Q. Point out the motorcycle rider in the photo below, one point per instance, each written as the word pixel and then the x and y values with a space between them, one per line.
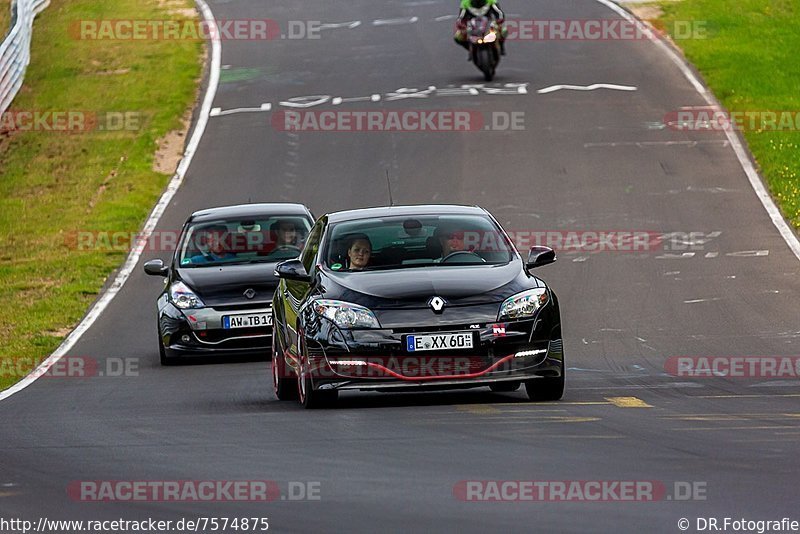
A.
pixel 480 8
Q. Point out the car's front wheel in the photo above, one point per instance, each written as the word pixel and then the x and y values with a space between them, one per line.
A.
pixel 309 397
pixel 162 352
pixel 285 387
pixel 546 388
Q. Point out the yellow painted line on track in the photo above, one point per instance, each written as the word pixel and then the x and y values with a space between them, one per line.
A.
pixel 628 402
pixel 478 409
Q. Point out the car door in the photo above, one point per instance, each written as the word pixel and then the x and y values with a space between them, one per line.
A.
pixel 295 292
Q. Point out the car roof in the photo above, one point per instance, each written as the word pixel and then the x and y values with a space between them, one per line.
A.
pixel 389 211
pixel 250 210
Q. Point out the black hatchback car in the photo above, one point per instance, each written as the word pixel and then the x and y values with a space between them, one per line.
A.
pixel 414 297
pixel 219 284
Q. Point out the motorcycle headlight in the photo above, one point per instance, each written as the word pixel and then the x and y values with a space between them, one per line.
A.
pixel 523 305
pixel 183 297
pixel 490 37
pixel 346 314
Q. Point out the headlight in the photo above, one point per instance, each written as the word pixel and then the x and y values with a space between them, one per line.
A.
pixel 490 37
pixel 523 305
pixel 183 297
pixel 345 314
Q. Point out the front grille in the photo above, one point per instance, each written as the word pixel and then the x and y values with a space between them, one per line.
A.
pixel 218 334
pixel 440 328
pixel 243 307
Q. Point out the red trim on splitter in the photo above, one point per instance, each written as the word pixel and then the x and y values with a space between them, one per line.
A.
pixel 439 377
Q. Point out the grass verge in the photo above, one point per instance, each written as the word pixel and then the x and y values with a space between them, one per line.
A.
pixel 749 60
pixel 5 17
pixel 53 184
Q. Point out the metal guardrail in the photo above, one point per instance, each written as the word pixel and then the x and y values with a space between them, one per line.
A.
pixel 15 50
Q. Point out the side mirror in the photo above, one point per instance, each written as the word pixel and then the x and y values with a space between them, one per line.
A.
pixel 292 270
pixel 156 268
pixel 539 256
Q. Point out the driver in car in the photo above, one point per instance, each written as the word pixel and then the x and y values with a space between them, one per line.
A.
pixel 451 240
pixel 287 235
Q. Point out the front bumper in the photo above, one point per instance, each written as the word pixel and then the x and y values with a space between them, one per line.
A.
pixel 201 332
pixel 380 360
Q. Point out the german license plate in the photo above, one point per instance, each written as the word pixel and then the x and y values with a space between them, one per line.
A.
pixel 252 320
pixel 419 343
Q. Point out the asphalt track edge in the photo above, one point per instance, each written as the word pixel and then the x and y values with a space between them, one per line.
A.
pixel 155 215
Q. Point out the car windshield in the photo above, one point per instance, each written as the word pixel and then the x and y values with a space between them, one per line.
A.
pixel 421 241
pixel 267 238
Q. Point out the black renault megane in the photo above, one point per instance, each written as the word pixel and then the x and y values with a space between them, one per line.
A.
pixel 414 298
pixel 218 290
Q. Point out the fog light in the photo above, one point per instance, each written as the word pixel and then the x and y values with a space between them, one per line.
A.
pixel 185 338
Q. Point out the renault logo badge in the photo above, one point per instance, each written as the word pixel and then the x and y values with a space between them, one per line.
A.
pixel 437 304
pixel 250 293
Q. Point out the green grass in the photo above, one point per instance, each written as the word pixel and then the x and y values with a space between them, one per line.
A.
pixel 750 61
pixel 5 17
pixel 52 184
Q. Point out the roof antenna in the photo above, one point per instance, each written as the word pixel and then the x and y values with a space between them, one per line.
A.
pixel 389 185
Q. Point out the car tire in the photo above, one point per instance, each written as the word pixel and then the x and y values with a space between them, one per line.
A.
pixel 547 388
pixel 285 388
pixel 309 397
pixel 504 387
pixel 162 353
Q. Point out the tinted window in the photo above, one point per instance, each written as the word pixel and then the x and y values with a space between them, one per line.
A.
pixel 227 241
pixel 402 242
pixel 310 253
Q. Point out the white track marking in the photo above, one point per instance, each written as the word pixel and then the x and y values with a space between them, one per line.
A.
pixel 593 87
pixel 642 144
pixel 349 25
pixel 695 301
pixel 738 148
pixel 218 112
pixel 133 258
pixel 394 22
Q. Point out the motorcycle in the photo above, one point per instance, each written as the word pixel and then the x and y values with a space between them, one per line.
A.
pixel 483 35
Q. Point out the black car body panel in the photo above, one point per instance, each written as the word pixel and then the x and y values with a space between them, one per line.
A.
pixel 226 291
pixel 313 347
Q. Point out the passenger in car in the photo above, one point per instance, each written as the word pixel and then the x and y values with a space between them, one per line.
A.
pixel 212 238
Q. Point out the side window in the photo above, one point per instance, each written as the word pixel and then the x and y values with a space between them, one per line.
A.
pixel 312 247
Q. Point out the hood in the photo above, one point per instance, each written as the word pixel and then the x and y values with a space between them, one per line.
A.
pixel 460 285
pixel 226 284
